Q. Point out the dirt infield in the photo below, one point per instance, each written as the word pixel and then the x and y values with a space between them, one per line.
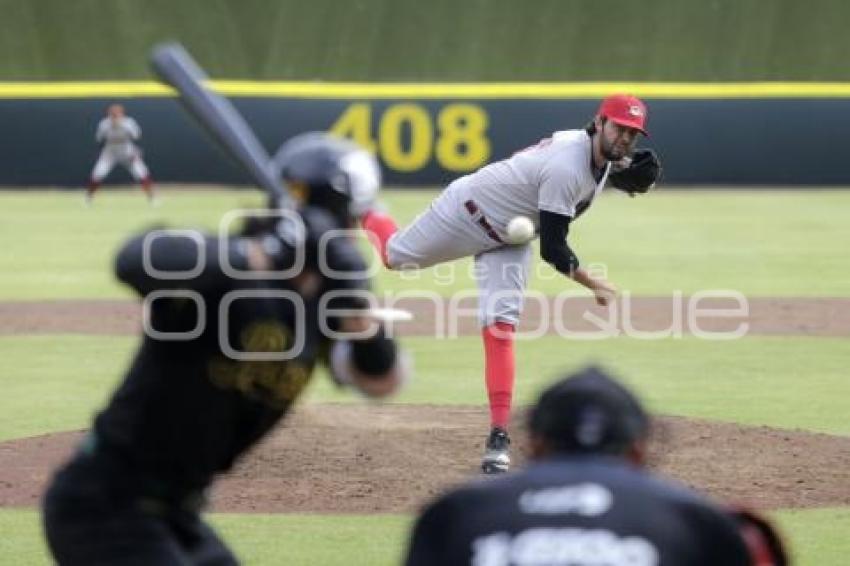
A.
pixel 391 458
pixel 766 316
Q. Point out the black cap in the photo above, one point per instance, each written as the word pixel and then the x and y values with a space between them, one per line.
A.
pixel 589 412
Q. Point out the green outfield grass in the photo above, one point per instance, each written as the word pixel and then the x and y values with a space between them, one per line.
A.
pixel 372 540
pixel 63 249
pixel 56 382
pixel 816 536
pixel 760 243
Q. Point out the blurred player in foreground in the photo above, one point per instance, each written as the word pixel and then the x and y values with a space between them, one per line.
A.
pixel 550 184
pixel 586 499
pixel 118 133
pixel 249 317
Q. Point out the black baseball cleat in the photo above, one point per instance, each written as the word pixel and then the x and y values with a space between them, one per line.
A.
pixel 496 458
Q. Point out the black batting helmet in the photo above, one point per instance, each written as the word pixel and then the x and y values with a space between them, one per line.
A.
pixel 329 172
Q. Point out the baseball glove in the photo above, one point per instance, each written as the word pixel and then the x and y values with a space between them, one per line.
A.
pixel 642 173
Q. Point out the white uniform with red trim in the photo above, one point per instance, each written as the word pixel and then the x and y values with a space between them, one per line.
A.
pixel 471 215
pixel 118 137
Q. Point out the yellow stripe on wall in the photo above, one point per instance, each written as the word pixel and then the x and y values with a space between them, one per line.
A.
pixel 83 90
pixel 141 89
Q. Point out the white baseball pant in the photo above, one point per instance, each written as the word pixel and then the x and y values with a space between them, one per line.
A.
pixel 447 231
pixel 130 160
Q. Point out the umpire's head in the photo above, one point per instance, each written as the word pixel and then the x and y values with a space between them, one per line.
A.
pixel 588 412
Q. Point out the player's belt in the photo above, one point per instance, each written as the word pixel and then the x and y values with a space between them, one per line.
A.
pixel 479 218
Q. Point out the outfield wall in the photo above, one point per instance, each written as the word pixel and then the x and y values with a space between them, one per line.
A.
pixel 753 134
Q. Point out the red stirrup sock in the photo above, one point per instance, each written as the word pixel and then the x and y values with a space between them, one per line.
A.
pixel 499 368
pixel 147 186
pixel 380 227
pixel 93 185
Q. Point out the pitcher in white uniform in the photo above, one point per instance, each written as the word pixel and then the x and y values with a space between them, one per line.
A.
pixel 551 183
pixel 118 134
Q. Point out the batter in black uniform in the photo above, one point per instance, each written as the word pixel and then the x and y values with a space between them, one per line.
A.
pixel 584 500
pixel 221 363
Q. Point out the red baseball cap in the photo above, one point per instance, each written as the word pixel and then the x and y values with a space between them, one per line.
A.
pixel 626 110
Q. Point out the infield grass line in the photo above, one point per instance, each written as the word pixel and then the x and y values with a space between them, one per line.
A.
pixel 53 383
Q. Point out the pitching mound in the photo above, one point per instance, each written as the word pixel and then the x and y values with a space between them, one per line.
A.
pixel 392 458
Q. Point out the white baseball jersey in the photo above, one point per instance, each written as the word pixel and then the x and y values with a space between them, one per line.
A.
pixel 555 175
pixel 118 147
pixel 118 135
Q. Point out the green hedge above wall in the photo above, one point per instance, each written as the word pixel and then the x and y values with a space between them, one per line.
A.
pixel 434 40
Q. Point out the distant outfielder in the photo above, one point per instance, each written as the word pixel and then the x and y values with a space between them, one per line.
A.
pixel 118 133
pixel 548 185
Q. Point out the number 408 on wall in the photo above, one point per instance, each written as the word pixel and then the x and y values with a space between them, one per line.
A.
pixel 408 137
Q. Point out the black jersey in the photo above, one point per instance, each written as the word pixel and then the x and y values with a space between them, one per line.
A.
pixel 576 511
pixel 188 408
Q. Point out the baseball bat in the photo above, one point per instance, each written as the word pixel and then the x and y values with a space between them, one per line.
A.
pixel 217 115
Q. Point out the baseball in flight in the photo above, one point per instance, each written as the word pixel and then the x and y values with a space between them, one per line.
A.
pixel 520 230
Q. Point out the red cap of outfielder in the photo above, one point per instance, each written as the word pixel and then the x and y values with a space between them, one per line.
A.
pixel 625 110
